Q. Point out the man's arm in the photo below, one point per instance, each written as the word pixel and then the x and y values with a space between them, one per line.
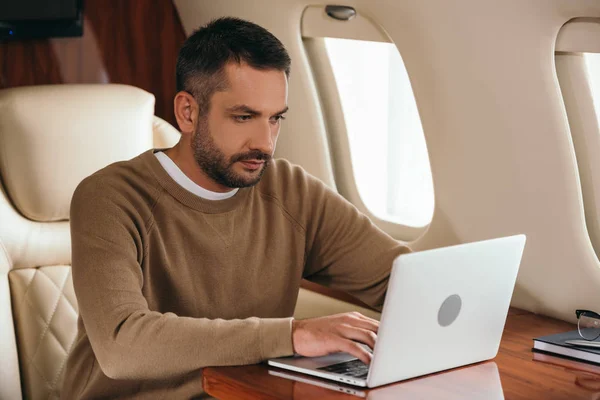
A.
pixel 129 340
pixel 346 250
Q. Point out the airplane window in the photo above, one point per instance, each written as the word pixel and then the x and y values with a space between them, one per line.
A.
pixel 592 61
pixel 578 74
pixel 388 151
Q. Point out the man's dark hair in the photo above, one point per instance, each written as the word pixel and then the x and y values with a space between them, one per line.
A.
pixel 202 58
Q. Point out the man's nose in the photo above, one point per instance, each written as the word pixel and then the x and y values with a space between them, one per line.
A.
pixel 264 138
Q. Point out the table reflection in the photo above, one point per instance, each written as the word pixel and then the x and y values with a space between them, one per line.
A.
pixel 477 382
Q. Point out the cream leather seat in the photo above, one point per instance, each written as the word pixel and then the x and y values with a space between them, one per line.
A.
pixel 51 137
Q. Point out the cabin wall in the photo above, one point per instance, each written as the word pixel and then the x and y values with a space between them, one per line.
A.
pixel 132 42
pixel 494 119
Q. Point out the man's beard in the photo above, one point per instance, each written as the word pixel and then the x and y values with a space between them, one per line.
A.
pixel 216 165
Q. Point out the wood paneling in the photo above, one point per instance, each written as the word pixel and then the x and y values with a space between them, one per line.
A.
pixel 516 373
pixel 133 42
pixel 28 63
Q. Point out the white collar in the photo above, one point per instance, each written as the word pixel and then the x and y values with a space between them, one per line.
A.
pixel 185 182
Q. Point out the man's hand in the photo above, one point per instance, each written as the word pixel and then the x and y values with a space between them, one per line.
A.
pixel 341 332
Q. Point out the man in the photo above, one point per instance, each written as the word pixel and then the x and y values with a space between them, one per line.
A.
pixel 193 256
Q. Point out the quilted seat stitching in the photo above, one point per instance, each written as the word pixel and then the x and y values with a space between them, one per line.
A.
pixel 56 337
pixel 63 286
pixel 52 385
pixel 47 326
pixel 39 372
pixel 63 364
pixel 27 301
pixel 28 286
pixel 24 301
pixel 67 351
pixel 37 313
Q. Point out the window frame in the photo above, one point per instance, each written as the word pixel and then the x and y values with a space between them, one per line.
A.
pixel 315 29
pixel 577 37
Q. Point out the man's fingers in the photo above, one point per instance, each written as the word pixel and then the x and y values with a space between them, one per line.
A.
pixel 356 350
pixel 362 316
pixel 358 322
pixel 347 332
pixel 365 336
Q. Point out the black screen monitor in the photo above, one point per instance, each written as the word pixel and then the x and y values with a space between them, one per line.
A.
pixel 37 19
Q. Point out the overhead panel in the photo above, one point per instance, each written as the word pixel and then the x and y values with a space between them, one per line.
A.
pixel 316 23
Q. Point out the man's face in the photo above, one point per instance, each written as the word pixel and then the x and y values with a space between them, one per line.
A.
pixel 235 141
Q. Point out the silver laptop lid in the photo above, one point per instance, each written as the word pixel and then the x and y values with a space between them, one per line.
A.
pixel 445 308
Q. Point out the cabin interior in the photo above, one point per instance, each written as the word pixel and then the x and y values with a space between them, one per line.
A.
pixel 444 122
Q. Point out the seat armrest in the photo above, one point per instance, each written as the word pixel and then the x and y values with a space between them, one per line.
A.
pixel 10 379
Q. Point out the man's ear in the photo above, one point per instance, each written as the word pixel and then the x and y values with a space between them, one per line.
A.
pixel 186 112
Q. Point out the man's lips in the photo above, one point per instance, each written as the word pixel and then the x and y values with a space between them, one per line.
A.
pixel 252 164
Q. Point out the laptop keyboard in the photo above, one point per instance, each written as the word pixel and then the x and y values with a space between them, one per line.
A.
pixel 354 368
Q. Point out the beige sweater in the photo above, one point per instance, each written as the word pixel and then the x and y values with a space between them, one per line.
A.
pixel 168 282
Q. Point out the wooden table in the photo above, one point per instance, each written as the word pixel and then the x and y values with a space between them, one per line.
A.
pixel 516 373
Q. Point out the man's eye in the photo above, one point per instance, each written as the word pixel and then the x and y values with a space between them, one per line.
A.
pixel 242 118
pixel 278 118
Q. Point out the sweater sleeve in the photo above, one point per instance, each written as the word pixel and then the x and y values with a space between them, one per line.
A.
pixel 345 250
pixel 128 339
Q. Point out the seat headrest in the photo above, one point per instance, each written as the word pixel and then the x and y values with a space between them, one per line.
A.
pixel 52 137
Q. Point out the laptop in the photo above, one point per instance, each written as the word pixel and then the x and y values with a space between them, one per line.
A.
pixel 444 308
